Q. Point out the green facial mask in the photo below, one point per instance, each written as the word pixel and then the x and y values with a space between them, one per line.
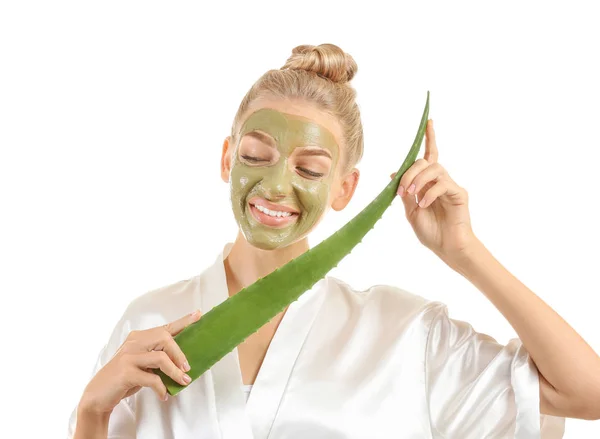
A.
pixel 279 182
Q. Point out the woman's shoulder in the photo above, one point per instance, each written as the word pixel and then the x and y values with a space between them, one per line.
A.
pixel 173 300
pixel 165 297
pixel 387 299
pixel 158 306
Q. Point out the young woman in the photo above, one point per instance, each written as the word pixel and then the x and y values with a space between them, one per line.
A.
pixel 337 363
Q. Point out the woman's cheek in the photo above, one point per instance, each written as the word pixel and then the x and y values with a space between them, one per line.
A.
pixel 314 195
pixel 240 178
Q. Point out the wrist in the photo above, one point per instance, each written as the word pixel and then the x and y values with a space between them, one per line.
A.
pixel 468 259
pixel 91 412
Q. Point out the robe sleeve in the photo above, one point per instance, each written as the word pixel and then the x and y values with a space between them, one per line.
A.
pixel 478 388
pixel 122 420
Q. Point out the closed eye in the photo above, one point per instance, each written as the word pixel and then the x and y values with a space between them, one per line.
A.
pixel 253 159
pixel 311 173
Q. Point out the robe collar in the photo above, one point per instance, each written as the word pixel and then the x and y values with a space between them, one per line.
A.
pixel 237 418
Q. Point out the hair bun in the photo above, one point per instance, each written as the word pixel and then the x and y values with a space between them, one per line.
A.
pixel 326 60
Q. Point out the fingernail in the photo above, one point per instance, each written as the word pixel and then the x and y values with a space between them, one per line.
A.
pixel 165 397
pixel 401 191
pixel 186 366
pixel 186 379
pixel 422 202
pixel 195 314
pixel 411 189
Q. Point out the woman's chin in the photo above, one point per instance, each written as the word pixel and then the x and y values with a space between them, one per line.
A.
pixel 264 243
pixel 270 242
pixel 267 237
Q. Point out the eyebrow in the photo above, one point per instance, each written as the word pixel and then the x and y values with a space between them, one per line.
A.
pixel 315 152
pixel 264 138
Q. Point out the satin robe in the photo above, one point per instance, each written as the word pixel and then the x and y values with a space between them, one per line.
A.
pixel 380 363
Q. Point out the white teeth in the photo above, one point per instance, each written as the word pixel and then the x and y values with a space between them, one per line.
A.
pixel 274 213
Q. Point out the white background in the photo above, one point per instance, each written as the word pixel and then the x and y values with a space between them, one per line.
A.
pixel 112 117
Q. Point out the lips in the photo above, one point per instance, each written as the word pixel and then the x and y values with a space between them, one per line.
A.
pixel 257 201
pixel 268 220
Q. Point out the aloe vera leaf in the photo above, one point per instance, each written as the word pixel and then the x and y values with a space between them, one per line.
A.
pixel 228 324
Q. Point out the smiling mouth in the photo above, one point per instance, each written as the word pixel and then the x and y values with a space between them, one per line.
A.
pixel 282 217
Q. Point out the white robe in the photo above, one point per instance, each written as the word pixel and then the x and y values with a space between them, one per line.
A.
pixel 380 363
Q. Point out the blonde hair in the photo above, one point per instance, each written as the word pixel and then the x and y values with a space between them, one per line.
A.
pixel 320 75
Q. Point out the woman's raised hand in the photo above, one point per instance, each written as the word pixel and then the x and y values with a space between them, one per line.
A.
pixel 441 218
pixel 129 369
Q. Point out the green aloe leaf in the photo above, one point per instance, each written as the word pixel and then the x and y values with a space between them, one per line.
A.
pixel 228 324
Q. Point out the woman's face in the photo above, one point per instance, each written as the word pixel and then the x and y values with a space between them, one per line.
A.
pixel 284 172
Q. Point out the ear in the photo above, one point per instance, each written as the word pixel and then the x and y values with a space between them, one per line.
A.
pixel 346 190
pixel 226 159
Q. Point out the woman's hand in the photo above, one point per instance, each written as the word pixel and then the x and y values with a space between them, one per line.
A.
pixel 441 218
pixel 129 369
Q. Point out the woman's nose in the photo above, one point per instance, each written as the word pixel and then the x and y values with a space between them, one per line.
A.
pixel 278 183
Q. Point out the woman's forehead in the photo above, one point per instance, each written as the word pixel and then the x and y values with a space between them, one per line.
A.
pixel 290 130
pixel 301 110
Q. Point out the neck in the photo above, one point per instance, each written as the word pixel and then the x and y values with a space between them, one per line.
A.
pixel 245 263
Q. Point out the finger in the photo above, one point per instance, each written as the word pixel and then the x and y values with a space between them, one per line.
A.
pixel 424 189
pixel 431 151
pixel 446 187
pixel 409 175
pixel 160 339
pixel 436 191
pixel 176 354
pixel 151 380
pixel 432 174
pixel 160 360
pixel 179 325
pixel 410 204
